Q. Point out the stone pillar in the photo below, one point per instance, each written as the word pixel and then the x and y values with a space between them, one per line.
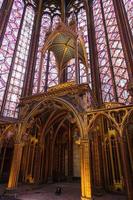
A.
pixel 70 155
pixel 4 16
pixel 97 167
pixel 15 166
pixel 126 169
pixel 86 191
pixel 37 164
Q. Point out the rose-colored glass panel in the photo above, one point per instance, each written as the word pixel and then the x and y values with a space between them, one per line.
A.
pixel 1 2
pixel 19 65
pixel 104 66
pixel 53 72
pixel 117 54
pixel 45 25
pixel 129 9
pixel 71 76
pixel 8 44
pixel 82 29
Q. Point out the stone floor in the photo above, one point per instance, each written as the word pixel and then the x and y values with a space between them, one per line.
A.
pixel 70 191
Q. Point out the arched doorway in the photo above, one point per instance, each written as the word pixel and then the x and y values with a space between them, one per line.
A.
pixel 106 156
pixel 48 123
pixel 6 153
pixel 49 153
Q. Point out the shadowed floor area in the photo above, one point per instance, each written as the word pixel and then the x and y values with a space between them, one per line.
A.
pixel 70 191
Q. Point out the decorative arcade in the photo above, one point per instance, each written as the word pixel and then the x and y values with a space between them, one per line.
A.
pixel 66 86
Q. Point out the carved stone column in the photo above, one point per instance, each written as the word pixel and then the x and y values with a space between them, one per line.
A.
pixel 86 192
pixel 97 167
pixel 70 155
pixel 126 169
pixel 15 166
pixel 4 16
pixel 37 164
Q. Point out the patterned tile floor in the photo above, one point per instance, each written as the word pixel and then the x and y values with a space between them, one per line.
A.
pixel 70 191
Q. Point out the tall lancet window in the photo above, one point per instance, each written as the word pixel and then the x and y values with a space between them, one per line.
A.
pixel 78 11
pixel 71 76
pixel 19 65
pixel 40 70
pixel 1 2
pixel 82 28
pixel 53 69
pixel 46 72
pixel 8 45
pixel 112 65
pixel 129 9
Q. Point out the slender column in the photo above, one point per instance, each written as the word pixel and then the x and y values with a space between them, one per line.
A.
pixel 28 161
pixel 86 192
pixel 105 165
pixel 33 51
pixel 77 62
pixel 70 155
pixel 15 167
pixel 33 148
pixel 126 169
pixel 130 149
pixel 64 160
pixel 50 162
pixel 125 33
pixel 97 170
pixel 63 17
pixel 118 158
pixel 3 160
pixel 47 72
pixel 92 160
pixel 1 144
pixel 4 16
pixel 37 164
pixel 112 161
pixel 24 162
pixel 46 160
pixel 42 165
pixel 59 162
pixel 94 65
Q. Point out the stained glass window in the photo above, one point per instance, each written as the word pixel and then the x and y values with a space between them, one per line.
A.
pixel 48 69
pixel 40 72
pixel 129 9
pixel 8 44
pixel 55 21
pixel 71 76
pixel 83 73
pixel 1 2
pixel 53 72
pixel 80 16
pixel 113 69
pixel 82 28
pixel 19 65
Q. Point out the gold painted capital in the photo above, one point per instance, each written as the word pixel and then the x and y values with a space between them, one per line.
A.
pixel 84 140
pixel 86 198
pixel 21 144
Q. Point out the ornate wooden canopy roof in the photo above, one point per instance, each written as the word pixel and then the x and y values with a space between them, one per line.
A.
pixel 62 42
